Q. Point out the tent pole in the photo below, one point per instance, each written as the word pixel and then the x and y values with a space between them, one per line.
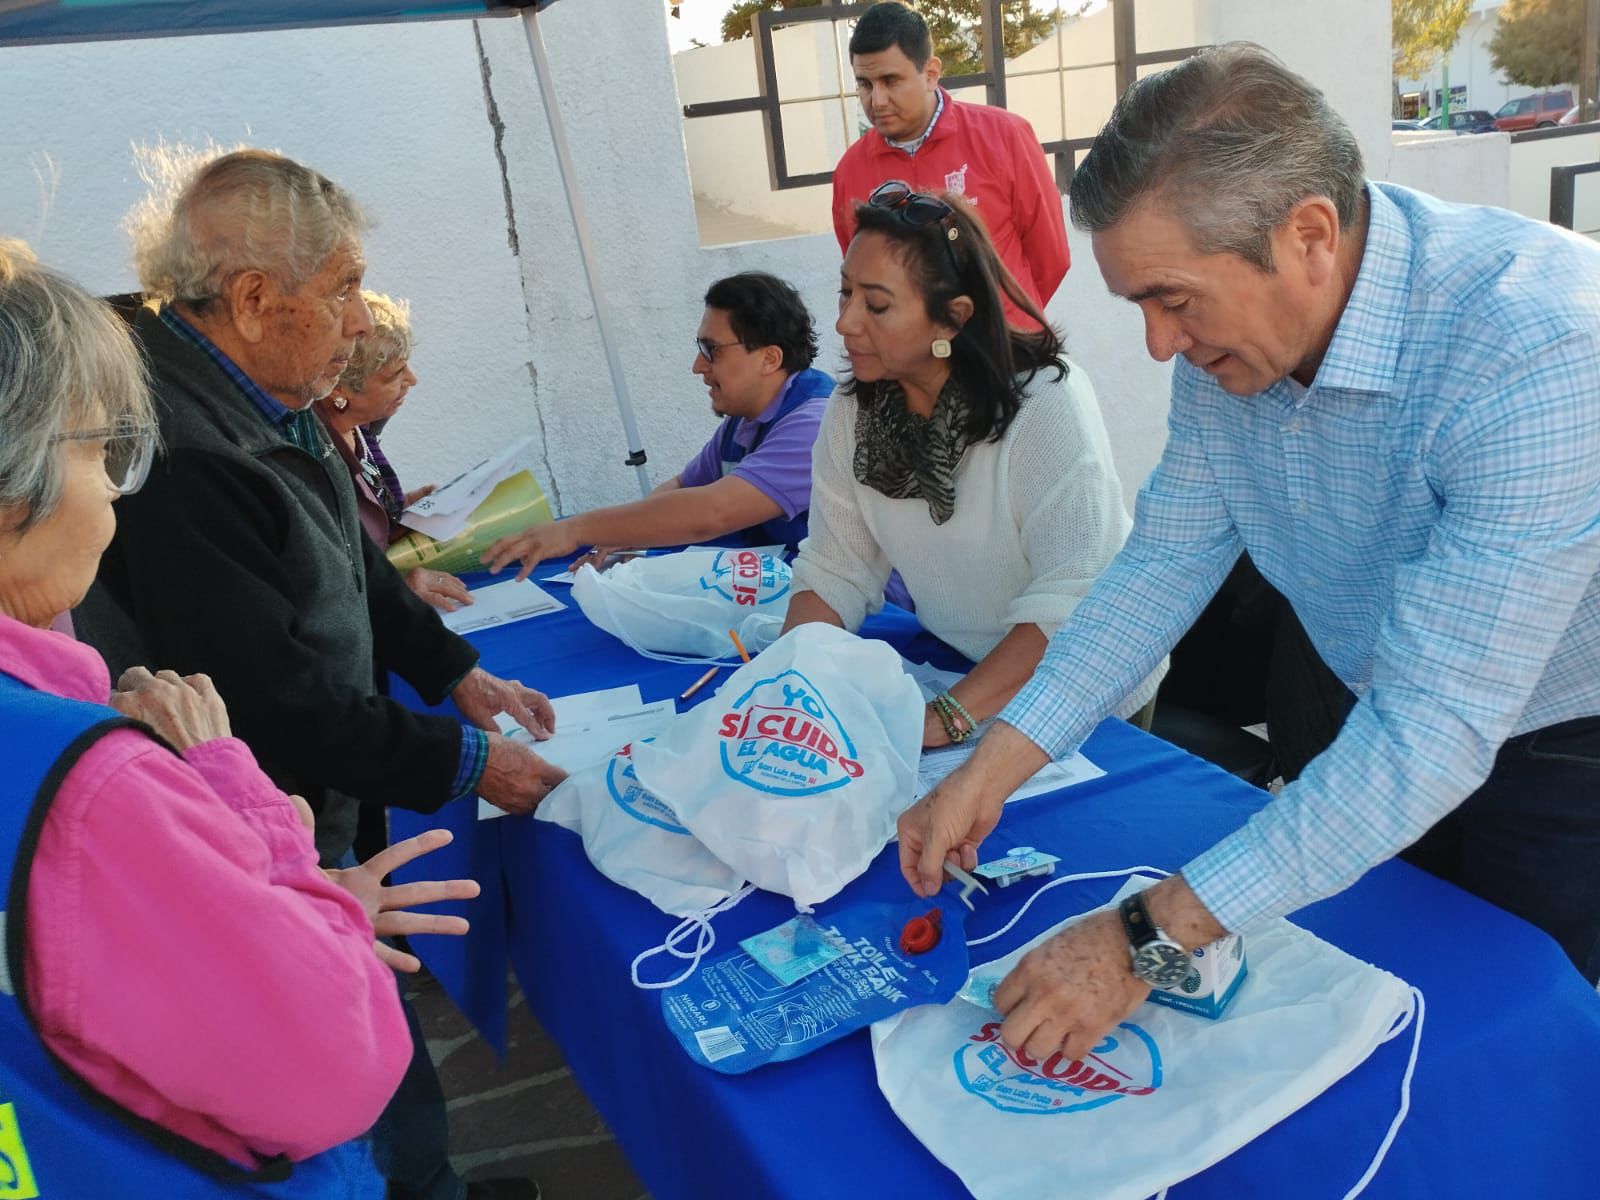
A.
pixel 569 186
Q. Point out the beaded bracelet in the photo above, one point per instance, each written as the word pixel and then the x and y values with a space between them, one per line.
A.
pixel 951 715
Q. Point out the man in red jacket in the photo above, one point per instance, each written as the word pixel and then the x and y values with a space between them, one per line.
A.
pixel 936 144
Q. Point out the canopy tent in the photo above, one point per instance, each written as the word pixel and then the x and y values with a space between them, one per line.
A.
pixel 38 22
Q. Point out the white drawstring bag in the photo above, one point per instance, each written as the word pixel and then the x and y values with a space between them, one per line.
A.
pixel 633 838
pixel 1162 1097
pixel 794 772
pixel 680 607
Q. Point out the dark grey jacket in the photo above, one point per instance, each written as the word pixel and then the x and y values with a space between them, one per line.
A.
pixel 243 558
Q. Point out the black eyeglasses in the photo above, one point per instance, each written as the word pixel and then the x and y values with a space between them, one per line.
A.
pixel 709 349
pixel 130 449
pixel 917 209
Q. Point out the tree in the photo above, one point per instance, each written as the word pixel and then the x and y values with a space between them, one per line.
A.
pixel 1537 41
pixel 956 27
pixel 1423 30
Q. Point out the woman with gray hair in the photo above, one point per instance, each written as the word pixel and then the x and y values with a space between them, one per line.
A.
pixel 371 390
pixel 139 842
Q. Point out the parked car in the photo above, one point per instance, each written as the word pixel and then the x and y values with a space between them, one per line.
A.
pixel 1571 116
pixel 1534 112
pixel 1462 120
pixel 1401 123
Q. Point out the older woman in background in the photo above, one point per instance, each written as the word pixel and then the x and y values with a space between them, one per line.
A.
pixel 371 390
pixel 190 1007
pixel 967 455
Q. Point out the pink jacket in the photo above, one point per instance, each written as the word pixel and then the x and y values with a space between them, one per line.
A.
pixel 185 954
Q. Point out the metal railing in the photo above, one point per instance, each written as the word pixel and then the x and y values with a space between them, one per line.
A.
pixel 769 102
pixel 1564 179
pixel 1564 194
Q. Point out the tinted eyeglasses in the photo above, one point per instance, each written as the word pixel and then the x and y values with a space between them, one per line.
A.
pixel 709 349
pixel 917 209
pixel 130 449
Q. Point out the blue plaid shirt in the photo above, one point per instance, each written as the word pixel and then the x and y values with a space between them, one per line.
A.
pixel 301 428
pixel 1431 508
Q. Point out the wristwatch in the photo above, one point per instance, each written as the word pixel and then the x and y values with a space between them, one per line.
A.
pixel 1157 959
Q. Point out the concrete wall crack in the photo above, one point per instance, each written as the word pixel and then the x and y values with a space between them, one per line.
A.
pixel 486 73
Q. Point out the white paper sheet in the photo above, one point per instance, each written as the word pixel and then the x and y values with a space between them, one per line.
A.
pixel 444 513
pixel 936 764
pixel 501 604
pixel 590 727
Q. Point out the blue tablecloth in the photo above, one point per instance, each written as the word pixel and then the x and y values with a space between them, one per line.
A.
pixel 1501 1103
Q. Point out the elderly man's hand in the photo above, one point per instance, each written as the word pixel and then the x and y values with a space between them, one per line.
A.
pixel 184 711
pixel 386 905
pixel 444 592
pixel 481 695
pixel 515 778
pixel 553 540
pixel 1069 992
pixel 948 823
pixel 951 821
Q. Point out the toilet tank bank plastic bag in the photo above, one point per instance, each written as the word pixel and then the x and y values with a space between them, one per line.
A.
pixel 736 1014
pixel 794 772
pixel 684 604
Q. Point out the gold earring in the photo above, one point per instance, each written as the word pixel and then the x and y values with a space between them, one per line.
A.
pixel 941 347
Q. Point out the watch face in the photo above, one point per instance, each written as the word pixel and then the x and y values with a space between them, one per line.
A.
pixel 1161 964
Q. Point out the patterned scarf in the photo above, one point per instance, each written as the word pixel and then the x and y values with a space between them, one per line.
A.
pixel 905 457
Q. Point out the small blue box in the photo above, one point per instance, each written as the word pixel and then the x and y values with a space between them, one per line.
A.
pixel 1215 973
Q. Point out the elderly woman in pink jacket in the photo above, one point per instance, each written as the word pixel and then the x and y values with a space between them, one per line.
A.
pixel 188 1005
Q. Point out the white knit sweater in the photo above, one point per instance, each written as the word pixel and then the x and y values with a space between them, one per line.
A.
pixel 1038 515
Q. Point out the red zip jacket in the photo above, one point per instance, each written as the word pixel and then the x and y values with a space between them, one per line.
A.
pixel 992 157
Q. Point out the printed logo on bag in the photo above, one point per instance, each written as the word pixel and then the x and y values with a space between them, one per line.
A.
pixel 782 738
pixel 747 578
pixel 623 784
pixel 16 1172
pixel 1126 1063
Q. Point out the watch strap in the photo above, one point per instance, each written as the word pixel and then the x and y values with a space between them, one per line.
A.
pixel 1136 921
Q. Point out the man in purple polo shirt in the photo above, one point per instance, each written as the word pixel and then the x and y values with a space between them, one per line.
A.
pixel 753 350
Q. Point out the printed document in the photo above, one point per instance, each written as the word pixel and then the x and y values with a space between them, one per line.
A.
pixel 936 764
pixel 590 728
pixel 501 604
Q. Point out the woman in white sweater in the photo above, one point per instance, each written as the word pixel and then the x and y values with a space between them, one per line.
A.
pixel 967 455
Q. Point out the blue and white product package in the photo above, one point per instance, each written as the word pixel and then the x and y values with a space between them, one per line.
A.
pixel 633 838
pixel 735 1014
pixel 1215 973
pixel 1161 1097
pixel 794 772
pixel 681 606
pixel 1019 863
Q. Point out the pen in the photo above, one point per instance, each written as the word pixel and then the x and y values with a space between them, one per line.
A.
pixel 739 646
pixel 699 683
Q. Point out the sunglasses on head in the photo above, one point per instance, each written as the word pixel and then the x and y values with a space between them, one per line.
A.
pixel 917 209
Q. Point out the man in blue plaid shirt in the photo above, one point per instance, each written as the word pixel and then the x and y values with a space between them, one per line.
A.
pixel 1393 404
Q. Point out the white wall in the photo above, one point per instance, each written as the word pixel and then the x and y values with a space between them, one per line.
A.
pixel 1530 176
pixel 395 113
pixel 508 343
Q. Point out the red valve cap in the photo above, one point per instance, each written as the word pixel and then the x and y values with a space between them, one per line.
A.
pixel 921 934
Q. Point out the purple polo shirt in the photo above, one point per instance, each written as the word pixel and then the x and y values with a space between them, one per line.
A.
pixel 779 468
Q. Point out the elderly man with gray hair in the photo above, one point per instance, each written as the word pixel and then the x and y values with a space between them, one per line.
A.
pixel 244 558
pixel 1391 403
